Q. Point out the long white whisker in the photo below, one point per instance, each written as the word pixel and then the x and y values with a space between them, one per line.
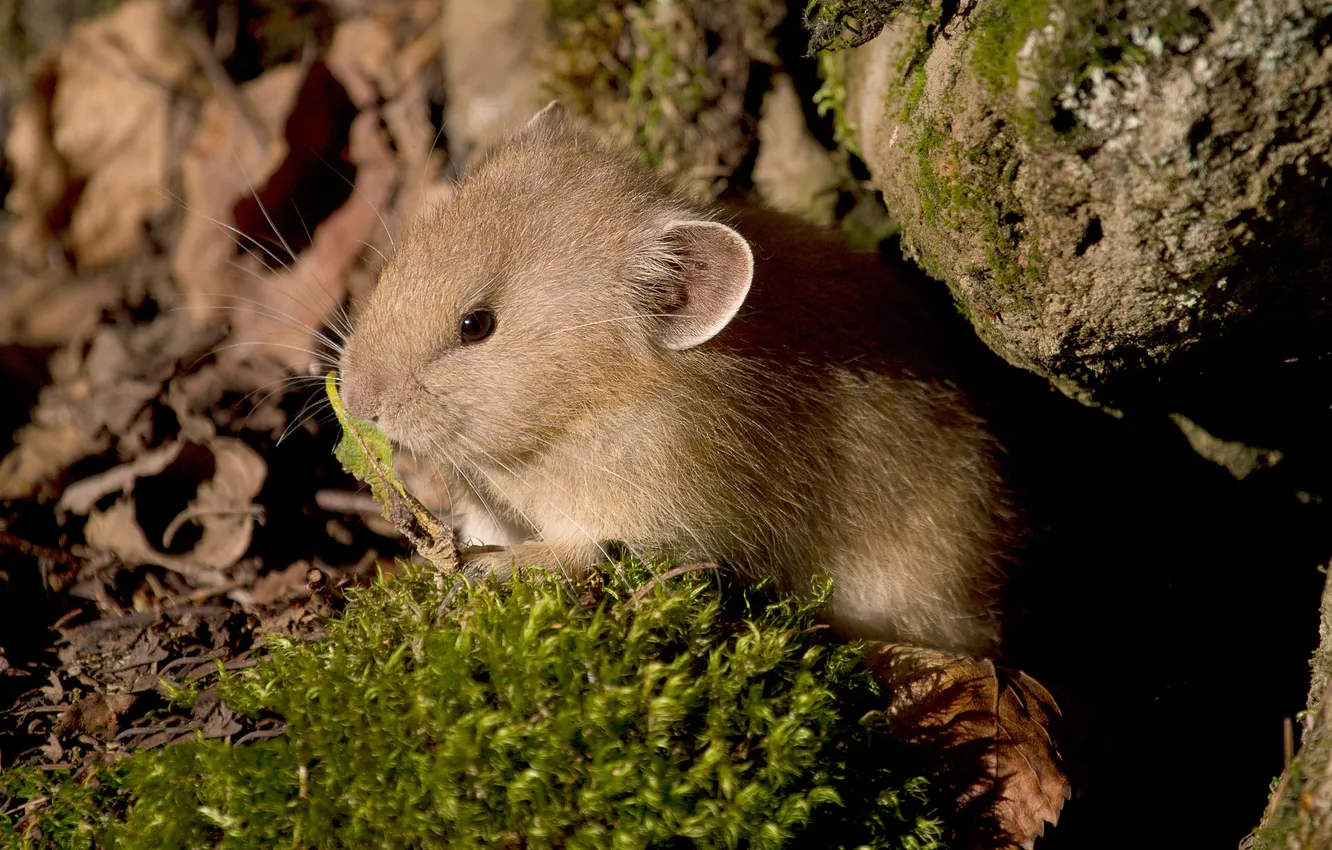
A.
pixel 276 315
pixel 357 190
pixel 268 218
pixel 313 406
pixel 335 308
pixel 322 358
pixel 294 380
pixel 238 234
pixel 382 258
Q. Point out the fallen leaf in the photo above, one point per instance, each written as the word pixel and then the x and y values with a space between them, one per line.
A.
pixel 96 396
pixel 111 118
pixel 223 506
pixel 40 178
pixel 367 454
pixel 97 715
pixel 81 496
pixel 239 143
pixel 51 308
pixel 988 729
pixel 275 586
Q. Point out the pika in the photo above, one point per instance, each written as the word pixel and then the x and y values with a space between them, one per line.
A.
pixel 592 357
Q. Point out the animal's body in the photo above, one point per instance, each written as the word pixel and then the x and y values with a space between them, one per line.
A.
pixel 596 358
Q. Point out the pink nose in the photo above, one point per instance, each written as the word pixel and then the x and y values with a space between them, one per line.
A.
pixel 361 395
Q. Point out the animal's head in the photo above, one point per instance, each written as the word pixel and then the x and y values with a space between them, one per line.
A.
pixel 559 272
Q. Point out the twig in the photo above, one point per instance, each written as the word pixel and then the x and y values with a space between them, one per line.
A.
pixel 36 550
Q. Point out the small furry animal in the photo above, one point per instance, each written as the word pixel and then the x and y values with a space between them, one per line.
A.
pixel 596 358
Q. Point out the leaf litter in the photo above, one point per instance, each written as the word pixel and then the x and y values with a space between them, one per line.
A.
pixel 183 238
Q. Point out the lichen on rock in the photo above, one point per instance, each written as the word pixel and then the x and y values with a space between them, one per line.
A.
pixel 1103 186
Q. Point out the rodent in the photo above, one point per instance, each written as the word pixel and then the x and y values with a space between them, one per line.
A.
pixel 597 358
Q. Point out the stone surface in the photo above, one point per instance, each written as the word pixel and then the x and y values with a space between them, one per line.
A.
pixel 1105 186
pixel 793 172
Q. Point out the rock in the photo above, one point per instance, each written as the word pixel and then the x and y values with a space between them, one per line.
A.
pixel 793 172
pixel 1104 187
pixel 490 72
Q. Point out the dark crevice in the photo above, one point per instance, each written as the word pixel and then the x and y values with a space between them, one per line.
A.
pixel 1090 237
pixel 1063 120
pixel 158 499
pixel 1198 133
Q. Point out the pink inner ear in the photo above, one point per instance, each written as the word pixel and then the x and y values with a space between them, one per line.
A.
pixel 716 268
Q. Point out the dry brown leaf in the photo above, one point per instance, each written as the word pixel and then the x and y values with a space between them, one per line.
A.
pixel 989 730
pixel 97 715
pixel 96 396
pixel 236 148
pixel 81 496
pixel 50 308
pixel 366 46
pixel 111 121
pixel 40 180
pixel 223 506
pixel 312 287
pixel 279 308
pixel 275 586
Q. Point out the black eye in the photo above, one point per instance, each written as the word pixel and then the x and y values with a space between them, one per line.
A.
pixel 476 326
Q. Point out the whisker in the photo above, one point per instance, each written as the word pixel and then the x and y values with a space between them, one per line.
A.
pixel 268 218
pixel 277 315
pixel 238 236
pixel 335 308
pixel 357 190
pixel 620 319
pixel 322 358
pixel 312 407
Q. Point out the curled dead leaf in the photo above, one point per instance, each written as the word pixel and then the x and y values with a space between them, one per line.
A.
pixel 989 731
pixel 40 179
pixel 97 715
pixel 96 396
pixel 223 506
pixel 81 496
pixel 111 119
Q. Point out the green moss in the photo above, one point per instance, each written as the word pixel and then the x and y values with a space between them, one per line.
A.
pixel 968 190
pixel 62 810
pixel 441 713
pixel 839 24
pixel 1001 30
pixel 831 98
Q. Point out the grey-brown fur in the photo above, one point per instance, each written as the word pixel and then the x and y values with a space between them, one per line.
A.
pixel 818 431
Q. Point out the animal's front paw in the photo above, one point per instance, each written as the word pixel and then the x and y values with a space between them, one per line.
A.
pixel 570 561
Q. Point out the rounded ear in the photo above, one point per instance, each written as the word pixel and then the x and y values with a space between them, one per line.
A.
pixel 551 115
pixel 711 269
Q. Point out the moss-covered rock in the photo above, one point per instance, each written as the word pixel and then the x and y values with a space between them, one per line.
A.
pixel 670 79
pixel 1104 185
pixel 440 713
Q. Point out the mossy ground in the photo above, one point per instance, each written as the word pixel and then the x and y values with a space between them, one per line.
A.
pixel 443 713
